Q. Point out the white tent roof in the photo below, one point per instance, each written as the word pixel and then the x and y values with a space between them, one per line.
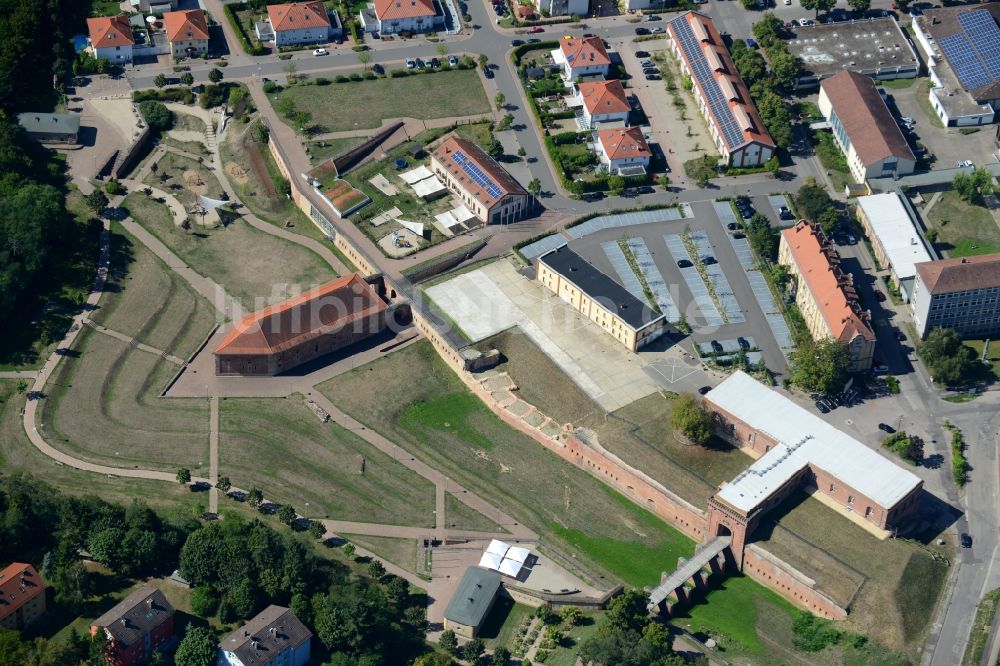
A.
pixel 510 568
pixel 462 213
pixel 428 187
pixel 491 561
pixel 498 547
pixel 415 175
pixel 415 227
pixel 518 554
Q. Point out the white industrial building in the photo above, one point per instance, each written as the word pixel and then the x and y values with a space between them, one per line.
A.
pixel 895 238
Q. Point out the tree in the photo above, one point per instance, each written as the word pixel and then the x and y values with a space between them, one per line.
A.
pixel 572 615
pixel 160 80
pixel 187 78
pixel 776 116
pixel 946 357
pixel 535 187
pixel 828 220
pixel 349 550
pixel 215 75
pixel 786 67
pixel 616 185
pixel 197 648
pixel 505 122
pixel 931 235
pixel 157 115
pixel 812 199
pixel 859 6
pixel 971 186
pixel 434 659
pixel 818 5
pixel 183 475
pixel 223 484
pixel 495 149
pixel 499 99
pixel 501 656
pixel 903 5
pixel 21 386
pixel 316 529
pixel 664 182
pixel 819 367
pixel 442 49
pixel 286 514
pixel 628 612
pixel 398 588
pixel 204 601
pixel 290 69
pixel 691 418
pixel 449 641
pixel 255 497
pixel 473 650
pixel 97 201
pixel 483 60
pixel 768 30
pixel 376 569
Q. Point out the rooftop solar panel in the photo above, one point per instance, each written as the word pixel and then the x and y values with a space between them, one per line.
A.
pixel 476 174
pixel 974 53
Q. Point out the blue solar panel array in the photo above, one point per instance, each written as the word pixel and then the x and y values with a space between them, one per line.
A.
pixel 975 53
pixel 476 174
pixel 703 73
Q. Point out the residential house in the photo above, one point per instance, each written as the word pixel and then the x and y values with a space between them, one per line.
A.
pixel 888 221
pixel 484 187
pixel 275 637
pixel 391 17
pixel 111 38
pixel 582 56
pixel 22 596
pixel 563 7
pixel 601 102
pixel 187 32
pixel 51 127
pixel 722 97
pixel 136 627
pixel 297 23
pixel 623 151
pixel 863 127
pixel 472 601
pixel 961 293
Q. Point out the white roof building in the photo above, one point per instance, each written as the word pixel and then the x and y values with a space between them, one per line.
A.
pixel 804 440
pixel 894 235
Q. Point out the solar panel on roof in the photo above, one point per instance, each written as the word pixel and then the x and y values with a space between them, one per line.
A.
pixel 974 54
pixel 476 174
pixel 985 36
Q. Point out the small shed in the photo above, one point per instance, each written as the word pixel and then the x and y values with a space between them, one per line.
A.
pixel 472 602
pixel 50 127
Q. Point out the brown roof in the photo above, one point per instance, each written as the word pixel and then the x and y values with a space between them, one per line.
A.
pixel 298 15
pixel 943 22
pixel 962 274
pixel 445 155
pixel 865 117
pixel 833 292
pixel 19 584
pixel 185 25
pixel 108 31
pixel 321 311
pixel 136 615
pixel 584 52
pixel 623 142
pixel 402 9
pixel 273 630
pixel 601 97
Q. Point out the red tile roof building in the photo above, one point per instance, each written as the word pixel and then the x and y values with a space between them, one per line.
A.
pixel 604 101
pixel 111 38
pixel 301 329
pixel 299 23
pixel 824 294
pixel 187 32
pixel 584 56
pixel 722 97
pixel 139 625
pixel 485 187
pixel 22 596
pixel 396 16
pixel 623 148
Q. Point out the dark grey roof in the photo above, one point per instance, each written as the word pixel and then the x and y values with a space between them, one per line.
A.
pixel 136 615
pixel 272 631
pixel 474 597
pixel 599 287
pixel 49 123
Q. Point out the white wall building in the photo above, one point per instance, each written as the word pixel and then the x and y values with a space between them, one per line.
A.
pixel 111 38
pixel 582 57
pixel 298 23
pixel 895 239
pixel 623 151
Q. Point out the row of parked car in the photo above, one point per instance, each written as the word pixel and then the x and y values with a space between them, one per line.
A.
pixel 433 63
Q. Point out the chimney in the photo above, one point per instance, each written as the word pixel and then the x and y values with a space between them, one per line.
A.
pixel 149 602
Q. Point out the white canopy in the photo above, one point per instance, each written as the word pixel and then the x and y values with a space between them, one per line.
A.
pixel 498 547
pixel 491 561
pixel 518 554
pixel 428 187
pixel 414 175
pixel 510 568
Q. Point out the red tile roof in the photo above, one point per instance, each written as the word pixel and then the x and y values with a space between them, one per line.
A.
pixel 19 584
pixel 185 25
pixel 866 119
pixel 584 52
pixel 298 15
pixel 819 266
pixel 490 167
pixel 602 97
pixel 110 31
pixel 960 274
pixel 623 142
pixel 403 9
pixel 321 311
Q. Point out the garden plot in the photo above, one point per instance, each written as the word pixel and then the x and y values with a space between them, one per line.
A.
pixel 699 290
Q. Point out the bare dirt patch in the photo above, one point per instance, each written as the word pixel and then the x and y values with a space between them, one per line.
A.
pixel 237 173
pixel 258 166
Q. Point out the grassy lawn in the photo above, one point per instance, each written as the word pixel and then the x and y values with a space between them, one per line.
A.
pixel 254 267
pixel 103 406
pixel 500 626
pixel 105 8
pixel 174 173
pixel 194 147
pixel 412 397
pixel 185 122
pixel 401 552
pixel 366 104
pixel 461 516
pixel 981 629
pixel 992 355
pixel 320 151
pixel 146 300
pixel 923 100
pixel 280 445
pixel 478 133
pixel 897 84
pixel 575 636
pixel 963 229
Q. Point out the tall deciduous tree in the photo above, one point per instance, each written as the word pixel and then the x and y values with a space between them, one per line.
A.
pixel 820 367
pixel 691 418
pixel 859 6
pixel 197 648
pixel 947 358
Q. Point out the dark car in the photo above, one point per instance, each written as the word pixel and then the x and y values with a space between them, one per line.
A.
pixel 378 69
pixel 733 226
pixel 684 263
pixel 435 63
pixel 488 73
pixel 645 189
pixel 901 336
pixel 708 261
pixel 965 540
pixel 652 77
pixel 886 427
pixel 704 389
pixel 717 346
pixel 420 63
pixel 653 17
pixel 739 234
pixel 879 296
pixel 744 343
pixel 642 54
pixel 642 31
pixel 516 42
pixel 784 213
pixel 747 212
pixel 650 70
pixel 592 196
pixel 533 40
pixel 822 407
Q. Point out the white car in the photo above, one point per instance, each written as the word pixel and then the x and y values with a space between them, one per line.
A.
pixel 453 61
pixel 788 2
pixel 410 64
pixel 319 52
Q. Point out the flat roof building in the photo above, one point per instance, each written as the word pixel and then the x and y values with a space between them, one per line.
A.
pixel 962 47
pixel 51 127
pixel 274 636
pixel 863 127
pixel 484 187
pixel 824 294
pixel 875 47
pixel 961 293
pixel 896 241
pixel 22 596
pixel 723 98
pixel 796 449
pixel 599 298
pixel 472 601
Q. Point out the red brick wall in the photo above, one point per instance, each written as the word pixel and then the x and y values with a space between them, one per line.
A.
pixel 789 583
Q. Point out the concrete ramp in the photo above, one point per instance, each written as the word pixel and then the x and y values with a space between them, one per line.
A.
pixel 674 588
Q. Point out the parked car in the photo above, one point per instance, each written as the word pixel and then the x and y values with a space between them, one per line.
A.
pixel 965 540
pixel 901 336
pixel 739 234
pixel 533 40
pixel 658 30
pixel 647 63
pixel 886 428
pixel 650 70
pixel 592 196
pixel 534 30
pixel 410 64
pixel 645 189
pixel 488 73
pixel 879 296
pixel 653 17
pixel 642 54
pixel 319 52
pixel 704 389
pixel 907 120
pixel 378 69
pixel 516 42
pixel 752 43
pixel 453 60
pixel 420 63
pixel 733 226
pixel 435 63
pixel 880 369
pixel 684 263
pixel 822 407
pixel 784 213
pixel 708 260
pixel 641 31
pixel 652 77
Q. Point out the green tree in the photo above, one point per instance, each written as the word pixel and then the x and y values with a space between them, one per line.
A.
pixel 448 641
pixel 473 650
pixel 184 475
pixel 398 588
pixel 931 235
pixel 316 529
pixel 494 149
pixel 972 186
pixel 499 99
pixel 812 199
pixel 223 484
pixel 501 656
pixel 483 60
pixel 786 67
pixel 97 201
pixel 859 6
pixel 376 569
pixel 160 80
pixel 364 57
pixel 947 359
pixel 286 514
pixel 616 185
pixel 21 386
pixel 664 182
pixel 571 615
pixel 818 5
pixel 349 550
pixel 187 78
pixel 628 612
pixel 828 220
pixel 204 601
pixel 768 30
pixel 255 497
pixel 776 116
pixel 434 659
pixel 197 648
pixel 215 75
pixel 691 418
pixel 157 115
pixel 820 367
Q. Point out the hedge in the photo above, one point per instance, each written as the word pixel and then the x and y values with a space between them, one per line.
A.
pixel 252 48
pixel 183 95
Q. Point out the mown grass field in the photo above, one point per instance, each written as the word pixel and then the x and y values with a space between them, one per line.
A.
pixel 280 445
pixel 398 551
pixel 460 516
pixel 413 398
pixel 254 267
pixel 366 104
pixel 964 230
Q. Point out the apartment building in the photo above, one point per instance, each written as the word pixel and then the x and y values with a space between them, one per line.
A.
pixel 961 293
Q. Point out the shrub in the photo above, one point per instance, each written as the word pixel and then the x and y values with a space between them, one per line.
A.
pixel 356 76
pixel 271 87
pixel 113 187
pixel 399 73
pixel 812 634
pixel 157 116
